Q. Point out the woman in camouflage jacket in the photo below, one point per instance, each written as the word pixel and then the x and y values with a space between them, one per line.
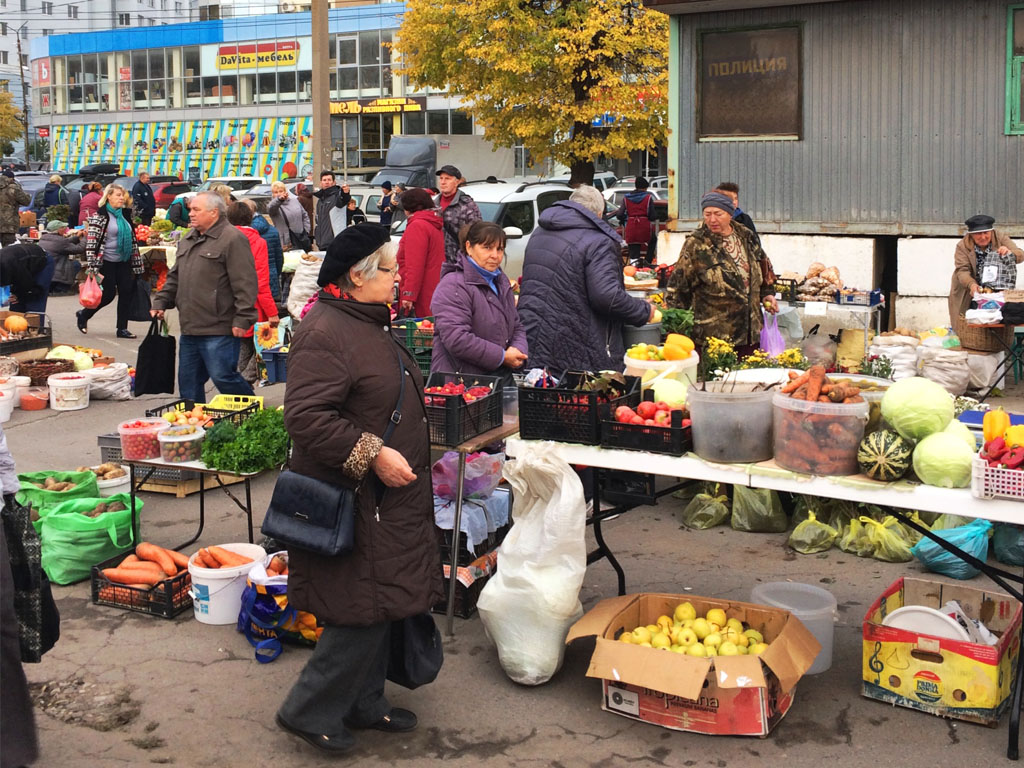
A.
pixel 719 277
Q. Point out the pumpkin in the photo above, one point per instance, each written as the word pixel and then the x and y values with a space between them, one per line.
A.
pixel 16 324
pixel 884 455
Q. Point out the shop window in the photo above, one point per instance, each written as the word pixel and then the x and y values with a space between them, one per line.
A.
pixel 348 83
pixel 140 94
pixel 385 46
pixel 247 89
pixel 268 88
pixel 749 84
pixel 347 51
pixel 286 86
pixel 156 63
pixel 369 81
pixel 386 86
pixel 413 122
pixel 437 121
pixel 211 91
pixel 229 89
pixel 306 85
pixel 45 101
pixel 92 98
pixel 140 68
pixel 1015 71
pixel 462 123
pixel 332 83
pixel 369 48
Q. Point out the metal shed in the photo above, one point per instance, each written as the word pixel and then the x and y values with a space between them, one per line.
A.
pixel 902 126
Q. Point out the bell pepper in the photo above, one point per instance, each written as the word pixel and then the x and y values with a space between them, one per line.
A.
pixel 994 424
pixel 1015 436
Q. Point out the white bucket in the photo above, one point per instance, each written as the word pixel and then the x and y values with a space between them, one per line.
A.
pixel 115 485
pixel 6 406
pixel 814 606
pixel 68 391
pixel 21 383
pixel 684 371
pixel 217 592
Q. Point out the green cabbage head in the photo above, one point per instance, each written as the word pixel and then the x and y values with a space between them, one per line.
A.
pixel 944 460
pixel 917 407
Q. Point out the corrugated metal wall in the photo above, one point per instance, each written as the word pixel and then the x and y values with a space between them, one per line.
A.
pixel 903 115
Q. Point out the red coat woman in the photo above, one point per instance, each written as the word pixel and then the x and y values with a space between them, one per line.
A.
pixel 420 253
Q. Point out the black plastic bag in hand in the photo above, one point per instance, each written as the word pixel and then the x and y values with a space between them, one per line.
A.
pixel 138 310
pixel 154 368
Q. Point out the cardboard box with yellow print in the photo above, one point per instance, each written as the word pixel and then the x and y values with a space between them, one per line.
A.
pixel 951 678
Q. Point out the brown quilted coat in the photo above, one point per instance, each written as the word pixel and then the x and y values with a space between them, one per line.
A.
pixel 343 382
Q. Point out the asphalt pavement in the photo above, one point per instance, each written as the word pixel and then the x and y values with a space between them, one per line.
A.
pixel 124 689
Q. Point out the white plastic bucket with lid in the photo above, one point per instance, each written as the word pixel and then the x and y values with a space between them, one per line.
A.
pixel 217 592
pixel 68 391
pixel 6 406
pixel 21 383
pixel 814 606
pixel 681 370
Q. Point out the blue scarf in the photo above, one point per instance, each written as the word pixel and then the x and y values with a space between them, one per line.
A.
pixel 490 277
pixel 124 233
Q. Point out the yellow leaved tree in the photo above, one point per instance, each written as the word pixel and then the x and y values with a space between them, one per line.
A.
pixel 569 79
pixel 11 126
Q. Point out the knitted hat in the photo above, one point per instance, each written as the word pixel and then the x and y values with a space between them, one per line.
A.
pixel 353 245
pixel 717 200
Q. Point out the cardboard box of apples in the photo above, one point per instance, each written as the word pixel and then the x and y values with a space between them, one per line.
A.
pixel 667 682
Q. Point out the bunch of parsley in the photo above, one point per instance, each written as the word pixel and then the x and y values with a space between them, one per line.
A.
pixel 259 443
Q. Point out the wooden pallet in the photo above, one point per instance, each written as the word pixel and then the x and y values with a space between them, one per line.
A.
pixel 182 488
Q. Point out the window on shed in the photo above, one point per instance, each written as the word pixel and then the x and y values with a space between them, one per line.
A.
pixel 1015 70
pixel 749 83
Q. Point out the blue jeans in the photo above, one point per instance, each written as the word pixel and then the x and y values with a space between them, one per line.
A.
pixel 209 357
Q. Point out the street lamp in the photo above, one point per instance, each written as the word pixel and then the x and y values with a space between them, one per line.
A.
pixel 24 92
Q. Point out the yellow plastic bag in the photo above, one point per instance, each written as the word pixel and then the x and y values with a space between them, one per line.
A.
pixel 812 536
pixel 855 539
pixel 888 540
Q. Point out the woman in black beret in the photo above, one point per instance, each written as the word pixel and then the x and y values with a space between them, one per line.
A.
pixel 345 376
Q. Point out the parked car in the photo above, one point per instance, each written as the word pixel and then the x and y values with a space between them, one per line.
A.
pixel 515 207
pixel 164 192
pixel 34 184
pixel 618 192
pixel 237 183
pixel 602 180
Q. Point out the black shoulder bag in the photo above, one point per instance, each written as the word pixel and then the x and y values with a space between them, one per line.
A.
pixel 315 515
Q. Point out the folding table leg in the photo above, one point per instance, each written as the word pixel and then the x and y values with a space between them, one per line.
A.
pixel 1012 749
pixel 456 529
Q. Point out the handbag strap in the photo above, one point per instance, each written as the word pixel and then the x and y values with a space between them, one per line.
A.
pixel 396 414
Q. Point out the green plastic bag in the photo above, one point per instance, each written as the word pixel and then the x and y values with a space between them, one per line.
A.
pixel 757 510
pixel 855 539
pixel 1008 543
pixel 43 501
pixel 812 536
pixel 888 540
pixel 706 511
pixel 804 505
pixel 945 521
pixel 74 543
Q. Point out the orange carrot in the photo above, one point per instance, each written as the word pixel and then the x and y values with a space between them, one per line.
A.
pixel 158 555
pixel 203 560
pixel 132 576
pixel 815 381
pixel 227 558
pixel 799 381
pixel 132 558
pixel 793 375
pixel 178 558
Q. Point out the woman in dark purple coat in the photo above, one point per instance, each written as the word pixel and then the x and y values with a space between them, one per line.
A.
pixel 477 327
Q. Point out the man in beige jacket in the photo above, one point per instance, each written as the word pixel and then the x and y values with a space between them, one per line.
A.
pixel 986 245
pixel 213 285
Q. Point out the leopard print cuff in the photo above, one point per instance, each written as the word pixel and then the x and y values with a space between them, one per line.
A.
pixel 365 451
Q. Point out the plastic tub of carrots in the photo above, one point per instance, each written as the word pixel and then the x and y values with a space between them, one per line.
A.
pixel 818 436
pixel 218 578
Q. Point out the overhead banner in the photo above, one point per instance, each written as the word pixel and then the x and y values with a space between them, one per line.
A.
pixel 257 56
pixel 272 147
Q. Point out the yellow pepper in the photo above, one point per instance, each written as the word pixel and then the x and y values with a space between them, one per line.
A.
pixel 995 424
pixel 1015 436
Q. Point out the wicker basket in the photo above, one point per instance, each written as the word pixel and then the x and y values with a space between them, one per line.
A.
pixel 40 370
pixel 1013 294
pixel 983 339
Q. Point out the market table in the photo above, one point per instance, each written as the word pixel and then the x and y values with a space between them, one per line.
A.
pixel 472 445
pixel 899 495
pixel 1014 351
pixel 151 465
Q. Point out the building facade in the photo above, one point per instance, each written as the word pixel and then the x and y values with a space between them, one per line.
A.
pixel 856 128
pixel 229 96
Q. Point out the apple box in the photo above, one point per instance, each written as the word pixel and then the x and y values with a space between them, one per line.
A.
pixel 727 695
pixel 951 678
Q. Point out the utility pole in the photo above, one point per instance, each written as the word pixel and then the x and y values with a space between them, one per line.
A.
pixel 322 155
pixel 24 94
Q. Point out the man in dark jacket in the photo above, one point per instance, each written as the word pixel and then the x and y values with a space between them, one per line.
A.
pixel 732 191
pixel 143 202
pixel 457 210
pixel 328 198
pixel 573 303
pixel 63 249
pixel 387 204
pixel 12 196
pixel 213 285
pixel 74 204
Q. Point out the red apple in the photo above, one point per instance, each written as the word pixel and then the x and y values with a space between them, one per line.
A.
pixel 623 414
pixel 650 422
pixel 661 405
pixel 663 417
pixel 686 422
pixel 647 409
pixel 636 420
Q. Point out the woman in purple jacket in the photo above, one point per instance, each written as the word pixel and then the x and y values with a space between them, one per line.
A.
pixel 476 325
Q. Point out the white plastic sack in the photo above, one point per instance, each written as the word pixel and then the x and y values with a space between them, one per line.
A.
pixel 111 382
pixel 895 341
pixel 790 325
pixel 946 367
pixel 983 367
pixel 528 606
pixel 303 286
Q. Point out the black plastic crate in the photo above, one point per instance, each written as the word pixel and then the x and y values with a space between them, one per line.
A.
pixel 568 415
pixel 622 487
pixel 237 416
pixel 465 598
pixel 110 450
pixel 166 599
pixel 413 337
pixel 786 287
pixel 451 419
pixel 675 440
pixel 444 539
pixel 423 358
pixel 42 338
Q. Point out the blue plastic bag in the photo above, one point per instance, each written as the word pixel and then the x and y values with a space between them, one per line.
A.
pixel 1008 543
pixel 971 538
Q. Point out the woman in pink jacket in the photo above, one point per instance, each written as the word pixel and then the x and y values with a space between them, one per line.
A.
pixel 240 215
pixel 420 253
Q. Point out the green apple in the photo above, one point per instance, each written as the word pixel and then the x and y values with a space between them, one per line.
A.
pixel 714 640
pixel 697 650
pixel 758 648
pixel 626 637
pixel 664 622
pixel 653 629
pixel 679 649
pixel 735 624
pixel 641 635
pixel 728 649
pixel 685 611
pixel 754 635
pixel 716 616
pixel 661 640
pixel 687 637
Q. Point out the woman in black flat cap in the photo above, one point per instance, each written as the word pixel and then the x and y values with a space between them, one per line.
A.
pixel 345 373
pixel 984 258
